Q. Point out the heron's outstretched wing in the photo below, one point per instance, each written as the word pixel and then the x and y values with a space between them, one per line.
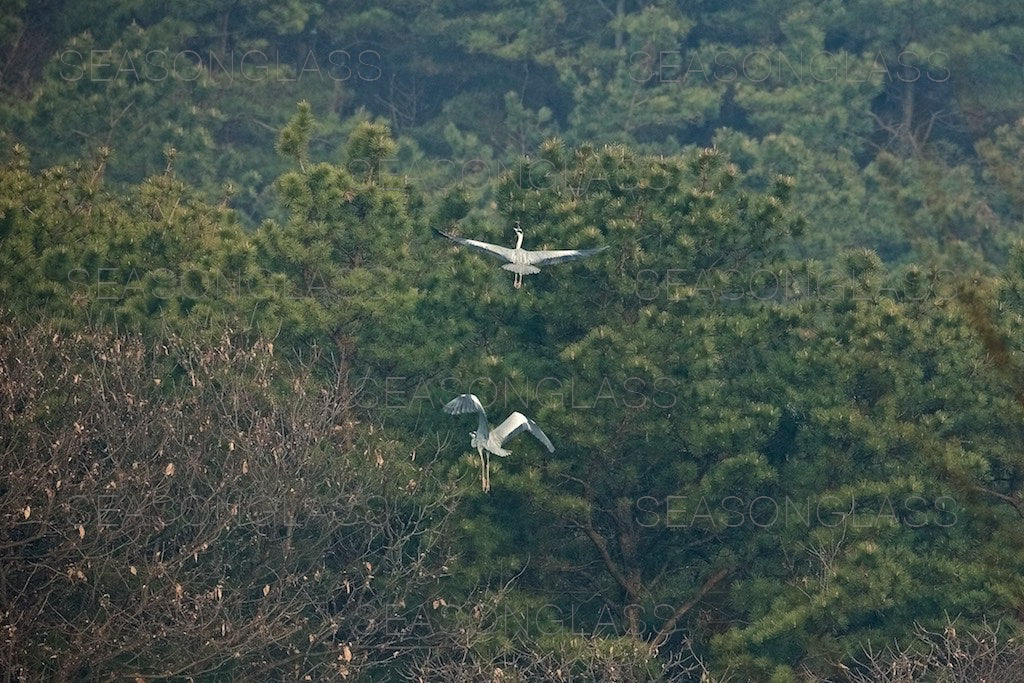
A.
pixel 517 422
pixel 547 258
pixel 504 253
pixel 468 403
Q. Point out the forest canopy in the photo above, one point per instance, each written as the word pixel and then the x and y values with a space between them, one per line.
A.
pixel 785 400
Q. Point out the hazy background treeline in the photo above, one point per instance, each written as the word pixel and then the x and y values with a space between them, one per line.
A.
pixel 786 402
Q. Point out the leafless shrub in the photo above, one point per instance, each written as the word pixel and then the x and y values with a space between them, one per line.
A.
pixel 197 512
pixel 991 655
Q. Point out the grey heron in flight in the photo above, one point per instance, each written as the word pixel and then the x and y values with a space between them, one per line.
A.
pixel 486 440
pixel 523 261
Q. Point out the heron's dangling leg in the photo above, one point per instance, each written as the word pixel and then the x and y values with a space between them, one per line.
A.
pixel 483 471
pixel 517 281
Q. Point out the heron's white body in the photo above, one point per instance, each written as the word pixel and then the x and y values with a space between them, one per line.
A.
pixel 486 440
pixel 488 443
pixel 523 261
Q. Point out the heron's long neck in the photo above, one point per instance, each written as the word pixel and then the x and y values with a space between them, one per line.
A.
pixel 519 240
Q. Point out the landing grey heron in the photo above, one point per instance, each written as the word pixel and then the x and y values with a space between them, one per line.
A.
pixel 523 261
pixel 486 440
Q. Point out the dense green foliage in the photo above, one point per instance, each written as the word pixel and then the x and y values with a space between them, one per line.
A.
pixel 786 401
